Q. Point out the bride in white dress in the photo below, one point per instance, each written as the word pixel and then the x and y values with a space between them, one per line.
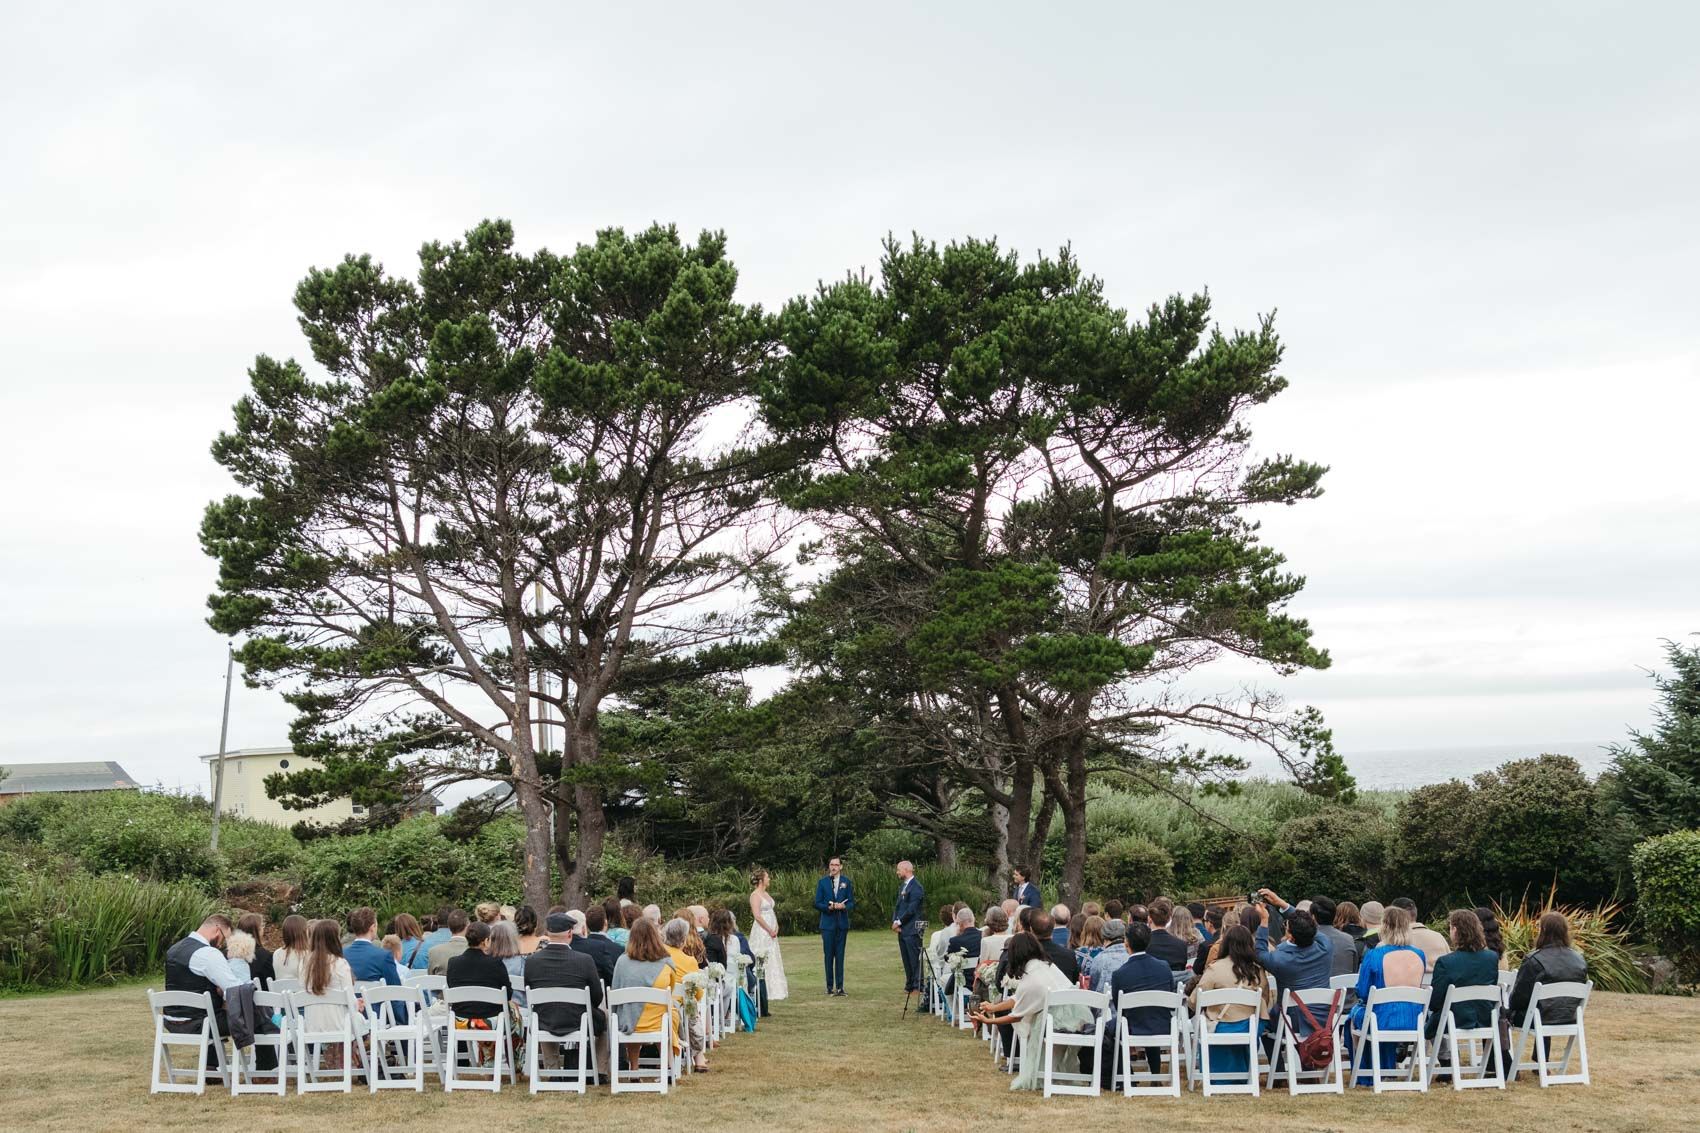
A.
pixel 764 937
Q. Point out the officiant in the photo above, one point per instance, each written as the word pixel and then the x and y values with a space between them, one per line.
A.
pixel 834 897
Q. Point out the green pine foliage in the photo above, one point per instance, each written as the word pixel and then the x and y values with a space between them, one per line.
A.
pixel 1657 776
pixel 1667 877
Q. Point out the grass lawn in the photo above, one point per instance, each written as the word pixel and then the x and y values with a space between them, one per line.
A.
pixel 80 1061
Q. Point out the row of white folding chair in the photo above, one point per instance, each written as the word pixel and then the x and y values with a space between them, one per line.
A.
pixel 655 1075
pixel 1537 1034
pixel 1321 1003
pixel 1053 1042
pixel 203 1042
pixel 294 1037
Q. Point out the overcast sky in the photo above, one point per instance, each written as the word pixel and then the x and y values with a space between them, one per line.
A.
pixel 1478 224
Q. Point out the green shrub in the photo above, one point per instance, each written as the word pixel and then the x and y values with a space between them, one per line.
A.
pixel 1593 931
pixel 78 930
pixel 1339 852
pixel 412 861
pixel 1667 878
pixel 1535 824
pixel 793 892
pixel 1130 866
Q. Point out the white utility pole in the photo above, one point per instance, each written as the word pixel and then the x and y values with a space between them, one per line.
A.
pixel 223 733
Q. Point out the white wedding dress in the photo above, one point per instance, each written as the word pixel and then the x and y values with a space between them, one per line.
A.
pixel 764 945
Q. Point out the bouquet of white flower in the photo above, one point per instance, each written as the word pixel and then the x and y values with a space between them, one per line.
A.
pixel 695 984
pixel 716 972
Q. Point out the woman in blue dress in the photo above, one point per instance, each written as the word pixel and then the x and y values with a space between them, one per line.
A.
pixel 1391 963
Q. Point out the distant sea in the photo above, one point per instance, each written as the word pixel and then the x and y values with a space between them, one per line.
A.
pixel 1402 768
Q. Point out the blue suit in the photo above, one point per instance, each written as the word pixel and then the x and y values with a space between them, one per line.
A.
pixel 1027 894
pixel 1142 972
pixel 834 925
pixel 907 917
pixel 371 962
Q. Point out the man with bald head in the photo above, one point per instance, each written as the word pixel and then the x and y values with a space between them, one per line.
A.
pixel 906 923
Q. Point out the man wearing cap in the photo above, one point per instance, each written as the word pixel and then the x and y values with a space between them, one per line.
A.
pixel 556 964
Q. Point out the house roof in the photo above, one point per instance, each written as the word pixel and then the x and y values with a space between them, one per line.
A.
pixel 245 752
pixel 51 778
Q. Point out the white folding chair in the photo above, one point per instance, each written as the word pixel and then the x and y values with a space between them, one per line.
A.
pixel 1507 981
pixel 1450 1035
pixel 397 1038
pixel 311 1041
pixel 658 1075
pixel 285 986
pixel 1321 1002
pixel 457 1077
pixel 1541 1033
pixel 1055 1041
pixel 582 1040
pixel 1131 1045
pixel 244 1068
pixel 203 1041
pixel 684 1062
pixel 1367 1040
pixel 1206 1038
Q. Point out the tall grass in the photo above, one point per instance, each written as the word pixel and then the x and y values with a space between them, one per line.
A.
pixel 876 887
pixel 78 930
pixel 1593 932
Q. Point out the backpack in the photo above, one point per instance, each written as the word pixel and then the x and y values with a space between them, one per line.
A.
pixel 1316 1050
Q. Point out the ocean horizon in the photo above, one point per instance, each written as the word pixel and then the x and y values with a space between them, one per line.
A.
pixel 1393 769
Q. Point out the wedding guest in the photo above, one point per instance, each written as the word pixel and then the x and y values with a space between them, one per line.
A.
pixel 995 936
pixel 1137 912
pixel 261 965
pixel 412 938
pixel 1058 954
pixel 555 964
pixel 1225 920
pixel 1035 979
pixel 487 912
pixel 616 923
pixel 475 967
pixel 1303 960
pixel 287 961
pixel 1076 924
pixel 325 971
pixel 679 935
pixel 1059 920
pixel 941 935
pixel 525 925
pixel 437 932
pixel 1467 963
pixel 653 912
pixel 1113 910
pixel 1111 957
pixel 365 959
pixel 1427 941
pixel 1092 909
pixel 504 946
pixel 1236 967
pixel 647 963
pixel 1164 944
pixel 391 943
pixel 239 951
pixel 455 945
pixel 1090 943
pixel 1185 929
pixel 1391 962
pixel 1492 935
pixel 1143 971
pixel 1196 908
pixel 1552 960
pixel 601 949
pixel 1342 949
pixel 505 913
pixel 965 941
pixel 630 915
pixel 1349 920
pixel 195 964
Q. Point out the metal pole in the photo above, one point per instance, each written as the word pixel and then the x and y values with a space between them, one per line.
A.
pixel 223 733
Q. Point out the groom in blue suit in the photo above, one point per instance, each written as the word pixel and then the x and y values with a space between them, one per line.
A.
pixel 834 897
pixel 906 923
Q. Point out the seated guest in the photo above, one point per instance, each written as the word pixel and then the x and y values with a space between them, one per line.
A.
pixel 487 912
pixel 412 937
pixel 197 963
pixel 525 924
pixel 699 918
pixel 629 916
pixel 678 934
pixel 436 933
pixel 1035 980
pixel 1210 925
pixel 556 964
pixel 260 967
pixel 1467 963
pixel 239 950
pixel 966 941
pixel 1113 910
pixel 391 943
pixel 1059 922
pixel 596 944
pixel 475 967
pixel 441 954
pixel 995 936
pixel 1166 946
pixel 1236 967
pixel 1226 919
pixel 1492 935
pixel 1045 929
pixel 1302 961
pixel 1392 962
pixel 653 912
pixel 1092 909
pixel 326 972
pixel 941 936
pixel 1251 917
pixel 1090 942
pixel 291 956
pixel 1111 957
pixel 1423 938
pixel 1143 971
pixel 1551 961
pixel 1137 912
pixel 503 945
pixel 1342 949
pixel 1196 908
pixel 369 962
pixel 1010 908
pixel 611 916
pixel 1370 915
pixel 1076 924
pixel 1184 929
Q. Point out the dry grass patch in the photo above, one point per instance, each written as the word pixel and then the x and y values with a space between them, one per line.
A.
pixel 80 1062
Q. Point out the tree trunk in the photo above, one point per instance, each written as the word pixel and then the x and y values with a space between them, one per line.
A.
pixel 946 851
pixel 563 812
pixel 1074 826
pixel 1020 816
pixel 590 820
pixel 537 858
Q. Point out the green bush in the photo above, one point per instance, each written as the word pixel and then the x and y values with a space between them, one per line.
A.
pixel 1130 866
pixel 1339 852
pixel 412 861
pixel 1536 823
pixel 1667 877
pixel 793 892
pixel 1594 932
pixel 1434 843
pixel 77 930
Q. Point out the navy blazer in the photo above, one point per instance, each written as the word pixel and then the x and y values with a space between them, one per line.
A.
pixel 908 911
pixel 836 918
pixel 1142 972
pixel 1168 947
pixel 1027 894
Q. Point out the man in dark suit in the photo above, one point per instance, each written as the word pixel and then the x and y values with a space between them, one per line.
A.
pixel 834 898
pixel 558 962
pixel 1142 972
pixel 1058 954
pixel 604 952
pixel 906 923
pixel 1165 945
pixel 366 960
pixel 1024 891
pixel 967 940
